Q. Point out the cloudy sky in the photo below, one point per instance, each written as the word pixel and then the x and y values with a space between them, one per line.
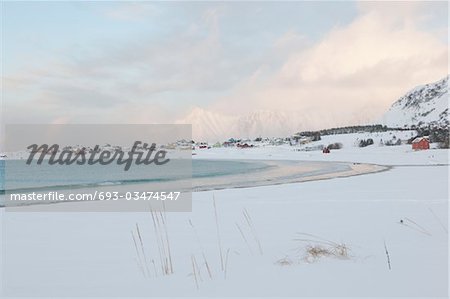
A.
pixel 154 62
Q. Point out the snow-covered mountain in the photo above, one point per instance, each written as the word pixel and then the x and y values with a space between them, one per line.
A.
pixel 210 126
pixel 424 105
pixel 267 123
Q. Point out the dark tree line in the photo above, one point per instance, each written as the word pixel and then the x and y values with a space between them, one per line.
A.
pixel 437 134
pixel 350 130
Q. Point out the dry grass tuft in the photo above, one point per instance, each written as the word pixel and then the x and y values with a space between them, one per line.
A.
pixel 317 251
pixel 315 248
pixel 162 241
pixel 162 245
pixel 341 251
pixel 286 261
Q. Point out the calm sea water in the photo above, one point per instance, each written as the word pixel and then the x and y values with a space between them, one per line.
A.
pixel 16 176
pixel 179 175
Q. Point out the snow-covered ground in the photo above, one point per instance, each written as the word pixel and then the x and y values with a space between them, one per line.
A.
pixel 330 238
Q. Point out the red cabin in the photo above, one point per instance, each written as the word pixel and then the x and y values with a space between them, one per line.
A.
pixel 421 143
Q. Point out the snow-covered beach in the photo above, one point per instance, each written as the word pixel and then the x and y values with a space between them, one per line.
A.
pixel 381 234
pixel 224 149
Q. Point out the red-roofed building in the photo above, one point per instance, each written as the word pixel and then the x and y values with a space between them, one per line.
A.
pixel 421 143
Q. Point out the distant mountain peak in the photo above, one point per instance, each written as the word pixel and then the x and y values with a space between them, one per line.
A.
pixel 208 125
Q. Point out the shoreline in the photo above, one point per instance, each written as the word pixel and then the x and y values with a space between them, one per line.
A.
pixel 297 175
pixel 277 172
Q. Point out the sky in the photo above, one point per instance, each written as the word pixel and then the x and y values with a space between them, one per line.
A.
pixel 156 62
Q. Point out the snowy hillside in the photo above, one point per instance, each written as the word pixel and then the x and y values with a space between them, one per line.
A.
pixel 426 104
pixel 267 123
pixel 207 125
pixel 210 126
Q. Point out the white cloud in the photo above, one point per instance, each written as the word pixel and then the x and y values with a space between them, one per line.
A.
pixel 356 71
pixel 350 75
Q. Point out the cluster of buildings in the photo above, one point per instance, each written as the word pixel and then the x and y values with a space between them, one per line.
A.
pixel 242 143
pixel 419 143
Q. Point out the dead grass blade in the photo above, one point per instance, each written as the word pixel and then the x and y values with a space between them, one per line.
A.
pixel 252 229
pixel 219 240
pixel 439 221
pixel 387 255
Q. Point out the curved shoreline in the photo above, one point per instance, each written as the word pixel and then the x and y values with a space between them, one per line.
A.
pixel 277 172
pixel 288 172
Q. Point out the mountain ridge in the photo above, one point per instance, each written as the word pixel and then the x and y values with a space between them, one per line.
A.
pixel 424 105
